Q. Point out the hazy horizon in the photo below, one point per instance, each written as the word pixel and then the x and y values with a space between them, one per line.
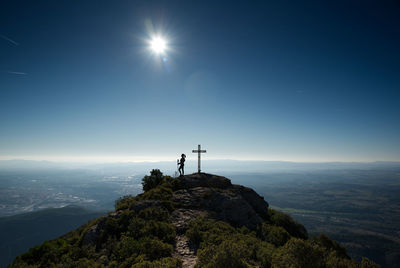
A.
pixel 115 160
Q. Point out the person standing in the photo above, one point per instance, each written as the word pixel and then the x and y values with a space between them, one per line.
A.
pixel 182 165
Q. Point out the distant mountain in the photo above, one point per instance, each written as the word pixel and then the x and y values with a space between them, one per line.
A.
pixel 20 232
pixel 169 167
pixel 199 219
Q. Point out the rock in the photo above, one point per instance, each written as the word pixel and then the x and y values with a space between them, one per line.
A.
pixel 181 217
pixel 256 201
pixel 238 205
pixel 185 251
pixel 205 180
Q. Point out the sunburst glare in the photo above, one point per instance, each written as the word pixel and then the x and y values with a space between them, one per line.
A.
pixel 158 45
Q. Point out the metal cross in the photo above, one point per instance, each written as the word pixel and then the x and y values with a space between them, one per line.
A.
pixel 199 151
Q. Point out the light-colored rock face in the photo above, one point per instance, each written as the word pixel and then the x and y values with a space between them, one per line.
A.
pixel 238 205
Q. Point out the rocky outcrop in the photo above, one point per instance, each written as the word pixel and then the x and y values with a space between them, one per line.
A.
pixel 256 201
pixel 205 180
pixel 203 195
pixel 207 195
pixel 238 205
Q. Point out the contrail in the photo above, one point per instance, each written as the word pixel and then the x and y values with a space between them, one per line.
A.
pixel 19 73
pixel 9 40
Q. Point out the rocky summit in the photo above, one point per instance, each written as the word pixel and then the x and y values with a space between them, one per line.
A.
pixel 216 197
pixel 197 220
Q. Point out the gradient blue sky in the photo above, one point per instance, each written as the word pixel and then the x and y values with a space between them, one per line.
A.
pixel 268 80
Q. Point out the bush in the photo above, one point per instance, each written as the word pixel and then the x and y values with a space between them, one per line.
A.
pixel 225 255
pixel 155 249
pixel 331 245
pixel 367 263
pixel 154 213
pixel 45 255
pixel 298 253
pixel 274 234
pixel 150 182
pixel 164 262
pixel 291 226
pixel 161 230
pixel 220 243
pixel 333 260
pixel 264 254
pixel 128 248
pixel 124 202
pixel 160 193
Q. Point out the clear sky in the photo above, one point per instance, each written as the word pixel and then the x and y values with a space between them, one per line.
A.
pixel 267 80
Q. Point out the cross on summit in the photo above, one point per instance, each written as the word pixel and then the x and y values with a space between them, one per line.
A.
pixel 198 151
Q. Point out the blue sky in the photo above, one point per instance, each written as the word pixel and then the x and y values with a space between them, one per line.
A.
pixel 268 80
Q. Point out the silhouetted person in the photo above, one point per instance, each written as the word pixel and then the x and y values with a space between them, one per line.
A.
pixel 181 165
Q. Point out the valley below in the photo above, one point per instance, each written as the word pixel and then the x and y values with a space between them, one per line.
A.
pixel 358 207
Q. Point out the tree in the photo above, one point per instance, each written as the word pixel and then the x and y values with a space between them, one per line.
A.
pixel 156 178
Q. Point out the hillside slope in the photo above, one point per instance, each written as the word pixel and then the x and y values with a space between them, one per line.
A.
pixel 199 219
pixel 20 232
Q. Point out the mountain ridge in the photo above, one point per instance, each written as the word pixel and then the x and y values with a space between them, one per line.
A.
pixel 200 220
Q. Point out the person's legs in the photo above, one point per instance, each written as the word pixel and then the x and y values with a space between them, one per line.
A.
pixel 179 169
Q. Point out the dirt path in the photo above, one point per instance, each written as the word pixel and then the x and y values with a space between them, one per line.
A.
pixel 185 251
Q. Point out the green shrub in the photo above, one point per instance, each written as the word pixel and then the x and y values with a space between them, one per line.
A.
pixel 150 182
pixel 164 262
pixel 330 245
pixel 298 253
pixel 367 263
pixel 128 247
pixel 274 234
pixel 225 255
pixel 221 243
pixel 264 254
pixel 154 213
pixel 208 231
pixel 172 183
pixel 124 202
pixel 160 193
pixel 155 249
pixel 291 226
pixel 44 255
pixel 333 260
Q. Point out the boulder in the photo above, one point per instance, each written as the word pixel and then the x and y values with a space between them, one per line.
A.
pixel 205 180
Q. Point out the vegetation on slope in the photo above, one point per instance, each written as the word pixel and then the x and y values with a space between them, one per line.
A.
pixel 132 237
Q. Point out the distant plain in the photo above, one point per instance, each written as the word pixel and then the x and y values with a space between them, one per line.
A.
pixel 355 204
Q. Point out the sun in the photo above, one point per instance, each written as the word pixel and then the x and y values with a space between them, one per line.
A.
pixel 158 45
